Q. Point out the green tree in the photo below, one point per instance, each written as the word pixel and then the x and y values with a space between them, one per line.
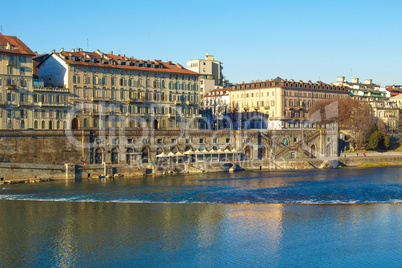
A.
pixel 374 140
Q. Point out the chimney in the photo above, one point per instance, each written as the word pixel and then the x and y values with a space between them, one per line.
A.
pixel 72 50
pixel 61 50
pixel 355 80
pixel 368 81
pixel 340 79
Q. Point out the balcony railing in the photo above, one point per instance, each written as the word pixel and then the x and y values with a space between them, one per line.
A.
pixel 38 83
pixel 43 104
pixel 100 99
pixel 51 89
pixel 135 100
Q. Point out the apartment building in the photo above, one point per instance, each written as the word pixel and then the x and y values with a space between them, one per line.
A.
pixel 16 109
pixel 108 90
pixel 394 90
pixel 211 73
pixel 279 100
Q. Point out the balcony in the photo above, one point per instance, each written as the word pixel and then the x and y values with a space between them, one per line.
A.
pixel 51 89
pixel 55 105
pixel 24 103
pixel 38 83
pixel 177 102
pixel 189 103
pixel 11 87
pixel 170 115
pixel 100 99
pixel 267 107
pixel 10 63
pixel 135 100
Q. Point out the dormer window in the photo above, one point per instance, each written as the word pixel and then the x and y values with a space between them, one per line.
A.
pixel 72 58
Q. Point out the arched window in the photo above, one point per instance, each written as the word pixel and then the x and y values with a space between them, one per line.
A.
pixel 35 124
pixel 98 156
pixel 115 156
pixel 163 83
pixel 285 142
pixel 43 124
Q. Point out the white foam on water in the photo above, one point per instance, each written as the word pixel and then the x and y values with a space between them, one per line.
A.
pixel 136 201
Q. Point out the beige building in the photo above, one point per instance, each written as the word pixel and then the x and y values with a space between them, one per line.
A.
pixel 211 71
pixel 108 90
pixel 279 100
pixel 16 97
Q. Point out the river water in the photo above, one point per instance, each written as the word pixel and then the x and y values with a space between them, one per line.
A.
pixel 314 218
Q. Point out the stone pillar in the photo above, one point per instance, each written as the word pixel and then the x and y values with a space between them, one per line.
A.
pixel 70 171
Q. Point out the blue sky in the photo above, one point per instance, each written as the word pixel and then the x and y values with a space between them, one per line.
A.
pixel 255 40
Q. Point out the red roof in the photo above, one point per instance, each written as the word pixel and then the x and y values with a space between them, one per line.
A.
pixel 394 90
pixel 17 46
pixel 99 59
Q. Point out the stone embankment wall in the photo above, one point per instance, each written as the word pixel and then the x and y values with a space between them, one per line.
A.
pixel 26 171
pixel 377 159
pixel 40 147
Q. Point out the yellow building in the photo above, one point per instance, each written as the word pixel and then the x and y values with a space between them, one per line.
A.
pixel 16 96
pixel 107 90
pixel 279 100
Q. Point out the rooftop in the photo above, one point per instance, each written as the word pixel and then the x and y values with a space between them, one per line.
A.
pixel 279 82
pixel 99 59
pixel 11 44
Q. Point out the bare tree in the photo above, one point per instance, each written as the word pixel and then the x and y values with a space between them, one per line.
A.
pixel 351 114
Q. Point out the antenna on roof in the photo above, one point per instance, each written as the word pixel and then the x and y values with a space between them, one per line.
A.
pixel 1 30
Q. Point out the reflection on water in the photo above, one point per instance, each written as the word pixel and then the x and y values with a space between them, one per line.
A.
pixel 66 234
pixel 207 220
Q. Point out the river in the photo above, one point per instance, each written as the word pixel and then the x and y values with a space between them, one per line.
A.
pixel 312 218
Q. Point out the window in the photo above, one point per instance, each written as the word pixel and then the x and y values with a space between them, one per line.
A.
pixel 201 140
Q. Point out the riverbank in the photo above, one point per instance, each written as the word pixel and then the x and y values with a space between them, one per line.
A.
pixel 35 173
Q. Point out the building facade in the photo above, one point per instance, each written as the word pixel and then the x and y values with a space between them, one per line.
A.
pixel 110 90
pixel 278 100
pixel 16 97
pixel 211 71
pixel 394 90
